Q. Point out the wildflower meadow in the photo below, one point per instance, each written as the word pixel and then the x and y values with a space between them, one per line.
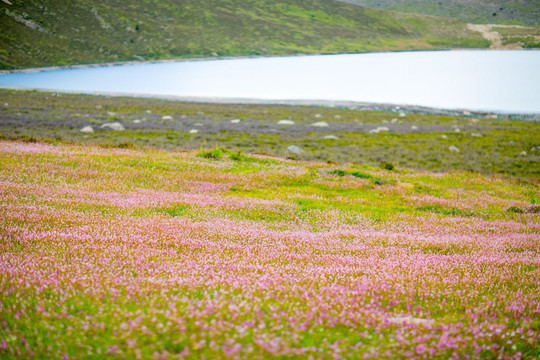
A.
pixel 144 253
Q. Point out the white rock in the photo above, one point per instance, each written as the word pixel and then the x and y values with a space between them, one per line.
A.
pixel 198 124
pixel 394 121
pixel 331 137
pixel 457 130
pixel 200 113
pixel 110 113
pixel 466 113
pixel 148 111
pixel 116 126
pixel 402 114
pixel 6 104
pixel 444 137
pixel 320 124
pixel 476 135
pixel 385 121
pixel 285 122
pixel 193 131
pixel 453 148
pixel 136 121
pixel 414 127
pixel 475 121
pixel 379 129
pixel 235 121
pixel 337 116
pixel 523 153
pixel 295 149
pixel 166 117
pixel 87 129
pixel 98 106
pixel 318 116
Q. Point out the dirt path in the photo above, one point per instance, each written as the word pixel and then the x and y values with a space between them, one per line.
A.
pixel 493 36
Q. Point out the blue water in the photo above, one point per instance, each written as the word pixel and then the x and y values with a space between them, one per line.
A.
pixel 504 81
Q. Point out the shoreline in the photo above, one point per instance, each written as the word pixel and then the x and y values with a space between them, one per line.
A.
pixel 218 58
pixel 352 105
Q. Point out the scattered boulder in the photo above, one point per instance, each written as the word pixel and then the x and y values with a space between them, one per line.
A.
pixel 337 116
pixel 331 137
pixel 193 131
pixel 166 117
pixel 198 124
pixel 443 137
pixel 318 116
pixel 235 121
pixel 385 121
pixel 295 150
pixel 414 127
pixel 136 121
pixel 523 153
pixel 200 113
pixel 394 121
pixel 476 135
pixel 87 130
pixel 115 126
pixel 110 113
pixel 285 122
pixel 148 111
pixel 402 114
pixel 320 124
pixel 457 130
pixel 378 129
pixel 453 148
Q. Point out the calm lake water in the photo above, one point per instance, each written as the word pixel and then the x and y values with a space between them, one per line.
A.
pixel 504 81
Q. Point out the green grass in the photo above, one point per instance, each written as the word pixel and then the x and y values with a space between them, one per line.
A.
pixel 472 11
pixel 92 32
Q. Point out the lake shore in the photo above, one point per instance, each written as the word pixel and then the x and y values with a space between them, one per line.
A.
pixel 209 58
pixel 352 105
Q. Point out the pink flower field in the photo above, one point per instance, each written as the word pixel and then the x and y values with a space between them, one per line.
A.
pixel 111 253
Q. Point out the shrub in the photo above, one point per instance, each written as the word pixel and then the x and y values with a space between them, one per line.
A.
pixel 215 154
pixel 126 145
pixel 238 156
pixel 387 165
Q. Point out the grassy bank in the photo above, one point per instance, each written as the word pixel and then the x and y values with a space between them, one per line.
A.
pixel 418 141
pixel 52 33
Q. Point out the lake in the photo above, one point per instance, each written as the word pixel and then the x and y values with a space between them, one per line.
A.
pixel 499 81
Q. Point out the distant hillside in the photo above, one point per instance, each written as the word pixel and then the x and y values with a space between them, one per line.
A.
pixel 41 33
pixel 521 12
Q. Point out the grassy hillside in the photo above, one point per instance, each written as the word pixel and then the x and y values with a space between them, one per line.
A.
pixel 420 141
pixel 40 33
pixel 523 12
pixel 128 254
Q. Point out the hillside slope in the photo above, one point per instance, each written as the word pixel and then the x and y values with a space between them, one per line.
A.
pixel 521 12
pixel 48 33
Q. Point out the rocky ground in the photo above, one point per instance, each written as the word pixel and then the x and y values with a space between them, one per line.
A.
pixel 362 133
